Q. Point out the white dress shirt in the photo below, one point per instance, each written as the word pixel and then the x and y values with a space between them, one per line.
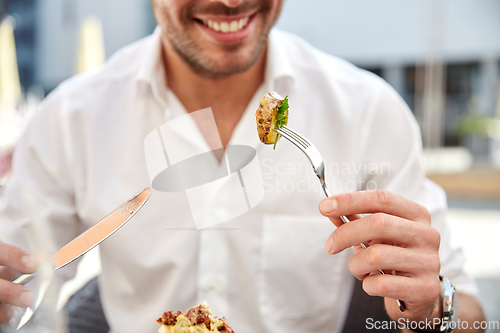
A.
pixel 267 270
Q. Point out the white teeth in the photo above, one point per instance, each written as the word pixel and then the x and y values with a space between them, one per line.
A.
pixel 225 26
pixel 233 26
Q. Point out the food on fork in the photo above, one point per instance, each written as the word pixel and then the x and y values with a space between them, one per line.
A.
pixel 271 114
pixel 195 320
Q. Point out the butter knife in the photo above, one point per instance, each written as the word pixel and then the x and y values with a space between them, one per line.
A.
pixel 86 241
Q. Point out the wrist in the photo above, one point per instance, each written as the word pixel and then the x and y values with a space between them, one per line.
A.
pixel 444 314
pixel 437 312
pixel 431 323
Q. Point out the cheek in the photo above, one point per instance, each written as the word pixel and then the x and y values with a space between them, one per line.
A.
pixel 277 6
pixel 167 10
pixel 274 10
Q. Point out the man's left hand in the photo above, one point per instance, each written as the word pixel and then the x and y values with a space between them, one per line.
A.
pixel 401 242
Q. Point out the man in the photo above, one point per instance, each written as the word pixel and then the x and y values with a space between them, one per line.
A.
pixel 266 271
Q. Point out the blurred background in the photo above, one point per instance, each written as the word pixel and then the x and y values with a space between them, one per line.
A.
pixel 442 56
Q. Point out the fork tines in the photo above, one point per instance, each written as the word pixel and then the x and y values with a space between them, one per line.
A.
pixel 294 135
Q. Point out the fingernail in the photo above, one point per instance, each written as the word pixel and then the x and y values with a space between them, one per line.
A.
pixel 29 262
pixel 26 298
pixel 328 206
pixel 329 245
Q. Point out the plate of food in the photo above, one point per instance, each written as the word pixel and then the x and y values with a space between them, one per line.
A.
pixel 198 319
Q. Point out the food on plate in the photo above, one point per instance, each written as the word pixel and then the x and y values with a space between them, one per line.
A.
pixel 196 320
pixel 272 113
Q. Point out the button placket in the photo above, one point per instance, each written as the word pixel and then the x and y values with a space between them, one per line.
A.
pixel 212 270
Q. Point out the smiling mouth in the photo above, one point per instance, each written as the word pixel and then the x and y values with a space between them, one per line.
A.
pixel 226 26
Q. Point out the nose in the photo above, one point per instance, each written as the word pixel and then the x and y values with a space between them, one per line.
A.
pixel 229 3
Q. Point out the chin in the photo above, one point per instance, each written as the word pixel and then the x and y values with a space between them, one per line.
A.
pixel 233 59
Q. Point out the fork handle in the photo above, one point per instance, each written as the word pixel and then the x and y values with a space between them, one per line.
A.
pixel 401 304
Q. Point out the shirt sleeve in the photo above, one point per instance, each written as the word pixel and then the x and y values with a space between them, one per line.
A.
pixel 37 211
pixel 391 140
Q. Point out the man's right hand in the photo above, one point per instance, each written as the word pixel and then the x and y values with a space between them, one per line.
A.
pixel 14 260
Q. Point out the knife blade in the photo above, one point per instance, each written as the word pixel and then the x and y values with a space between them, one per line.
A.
pixel 94 235
pixel 86 241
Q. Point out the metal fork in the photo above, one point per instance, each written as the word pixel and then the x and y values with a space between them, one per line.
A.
pixel 316 160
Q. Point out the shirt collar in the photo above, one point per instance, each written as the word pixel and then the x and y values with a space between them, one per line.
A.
pixel 278 65
pixel 151 60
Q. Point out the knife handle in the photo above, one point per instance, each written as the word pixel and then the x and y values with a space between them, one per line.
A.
pixel 23 278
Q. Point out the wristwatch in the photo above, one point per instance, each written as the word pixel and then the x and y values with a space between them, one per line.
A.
pixel 450 305
pixel 449 297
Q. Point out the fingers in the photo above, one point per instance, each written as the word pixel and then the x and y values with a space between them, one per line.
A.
pixel 400 240
pixel 366 202
pixel 407 262
pixel 16 258
pixel 419 295
pixel 13 260
pixel 7 273
pixel 15 294
pixel 6 313
pixel 337 221
pixel 383 227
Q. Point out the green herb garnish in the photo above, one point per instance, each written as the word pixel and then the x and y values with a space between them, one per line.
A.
pixel 280 117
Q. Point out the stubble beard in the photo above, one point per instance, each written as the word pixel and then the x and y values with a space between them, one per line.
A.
pixel 194 55
pixel 205 66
